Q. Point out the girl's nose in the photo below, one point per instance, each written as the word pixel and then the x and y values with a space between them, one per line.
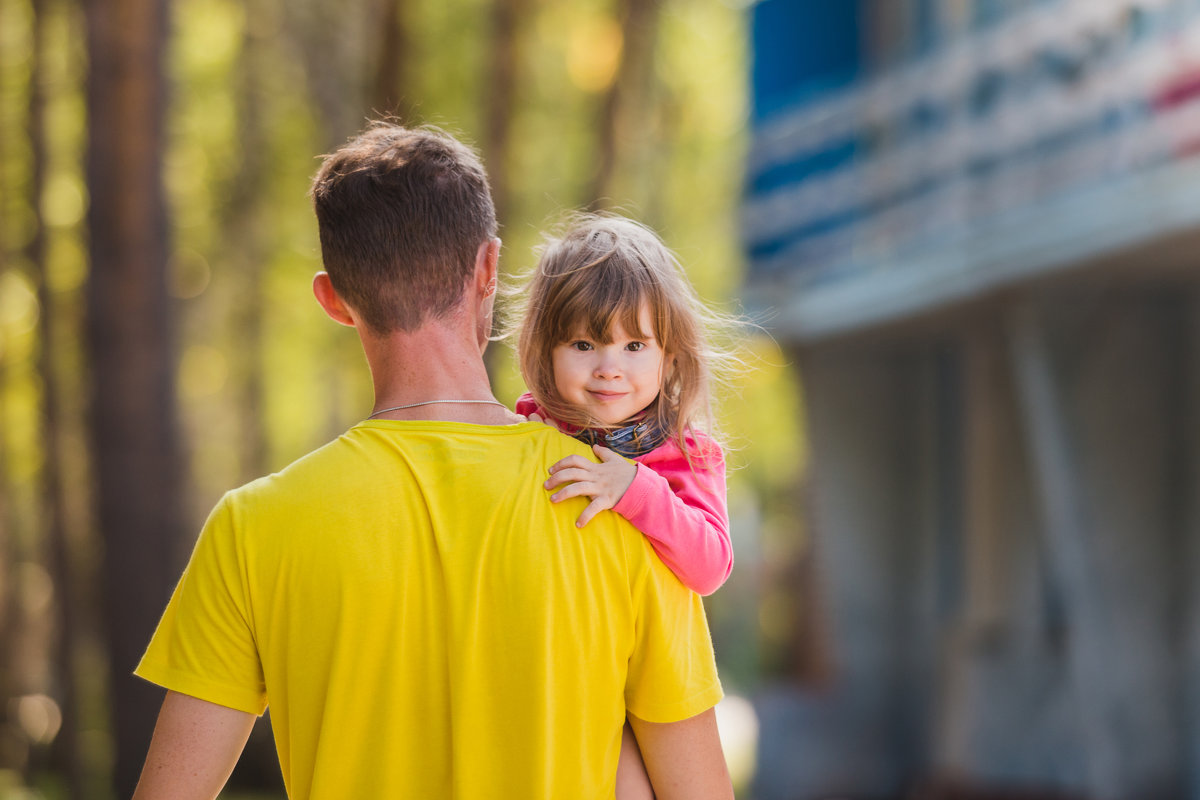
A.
pixel 607 367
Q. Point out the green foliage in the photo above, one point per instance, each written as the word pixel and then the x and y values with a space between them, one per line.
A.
pixel 251 108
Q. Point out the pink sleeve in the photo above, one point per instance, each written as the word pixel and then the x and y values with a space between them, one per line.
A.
pixel 683 513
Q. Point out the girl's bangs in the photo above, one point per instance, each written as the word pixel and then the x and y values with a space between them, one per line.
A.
pixel 598 301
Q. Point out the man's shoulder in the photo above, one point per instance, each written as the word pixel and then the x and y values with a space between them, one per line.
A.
pixel 363 449
pixel 317 467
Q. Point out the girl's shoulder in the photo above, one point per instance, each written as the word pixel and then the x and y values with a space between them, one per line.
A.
pixel 703 452
pixel 526 405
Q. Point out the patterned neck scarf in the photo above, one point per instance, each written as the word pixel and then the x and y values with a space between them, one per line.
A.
pixel 630 441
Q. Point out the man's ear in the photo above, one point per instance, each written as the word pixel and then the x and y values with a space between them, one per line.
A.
pixel 487 266
pixel 337 310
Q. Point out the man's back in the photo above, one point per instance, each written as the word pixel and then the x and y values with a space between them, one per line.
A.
pixel 426 623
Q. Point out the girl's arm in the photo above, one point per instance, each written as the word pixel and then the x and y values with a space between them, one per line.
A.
pixel 682 512
pixel 680 508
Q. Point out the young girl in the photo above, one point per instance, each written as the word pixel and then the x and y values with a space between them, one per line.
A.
pixel 613 347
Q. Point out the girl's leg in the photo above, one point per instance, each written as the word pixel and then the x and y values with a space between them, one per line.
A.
pixel 632 781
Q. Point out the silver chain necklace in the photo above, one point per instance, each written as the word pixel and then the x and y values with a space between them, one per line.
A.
pixel 432 402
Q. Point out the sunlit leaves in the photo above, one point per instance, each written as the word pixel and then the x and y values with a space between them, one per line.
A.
pixel 18 305
pixel 594 45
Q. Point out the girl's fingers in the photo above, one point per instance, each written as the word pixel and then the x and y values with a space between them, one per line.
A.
pixel 574 490
pixel 604 453
pixel 568 462
pixel 595 507
pixel 566 476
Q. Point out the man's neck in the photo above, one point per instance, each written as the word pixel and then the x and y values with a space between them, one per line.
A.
pixel 437 362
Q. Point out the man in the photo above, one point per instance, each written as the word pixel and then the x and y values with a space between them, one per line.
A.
pixel 422 620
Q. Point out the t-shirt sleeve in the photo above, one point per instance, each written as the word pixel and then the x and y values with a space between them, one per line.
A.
pixel 672 671
pixel 204 645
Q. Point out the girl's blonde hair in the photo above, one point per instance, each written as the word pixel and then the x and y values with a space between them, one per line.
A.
pixel 597 272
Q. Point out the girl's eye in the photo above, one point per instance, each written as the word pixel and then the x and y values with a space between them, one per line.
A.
pixel 582 347
pixel 635 346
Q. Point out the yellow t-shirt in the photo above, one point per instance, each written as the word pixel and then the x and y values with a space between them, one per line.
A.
pixel 426 624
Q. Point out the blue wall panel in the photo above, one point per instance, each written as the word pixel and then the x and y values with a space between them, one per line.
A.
pixel 801 50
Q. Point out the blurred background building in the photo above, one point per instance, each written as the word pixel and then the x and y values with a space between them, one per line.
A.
pixel 976 225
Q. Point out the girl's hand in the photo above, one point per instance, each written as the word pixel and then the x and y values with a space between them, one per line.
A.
pixel 606 482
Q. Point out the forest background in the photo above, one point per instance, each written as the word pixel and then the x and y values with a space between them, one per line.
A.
pixel 159 343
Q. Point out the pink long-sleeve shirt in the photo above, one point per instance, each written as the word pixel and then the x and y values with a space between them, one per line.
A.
pixel 681 509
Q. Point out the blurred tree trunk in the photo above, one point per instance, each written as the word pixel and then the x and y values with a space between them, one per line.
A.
pixel 325 46
pixel 499 99
pixel 8 597
pixel 7 548
pixel 137 452
pixel 499 87
pixel 53 505
pixel 8 572
pixel 639 36
pixel 244 222
pixel 391 61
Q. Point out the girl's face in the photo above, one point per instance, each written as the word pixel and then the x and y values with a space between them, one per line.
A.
pixel 611 382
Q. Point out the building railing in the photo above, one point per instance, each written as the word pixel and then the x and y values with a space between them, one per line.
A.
pixel 1056 98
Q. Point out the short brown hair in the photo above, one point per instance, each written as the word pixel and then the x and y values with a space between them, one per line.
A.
pixel 598 272
pixel 401 214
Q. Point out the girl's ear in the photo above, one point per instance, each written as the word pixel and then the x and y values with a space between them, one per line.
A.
pixel 668 366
